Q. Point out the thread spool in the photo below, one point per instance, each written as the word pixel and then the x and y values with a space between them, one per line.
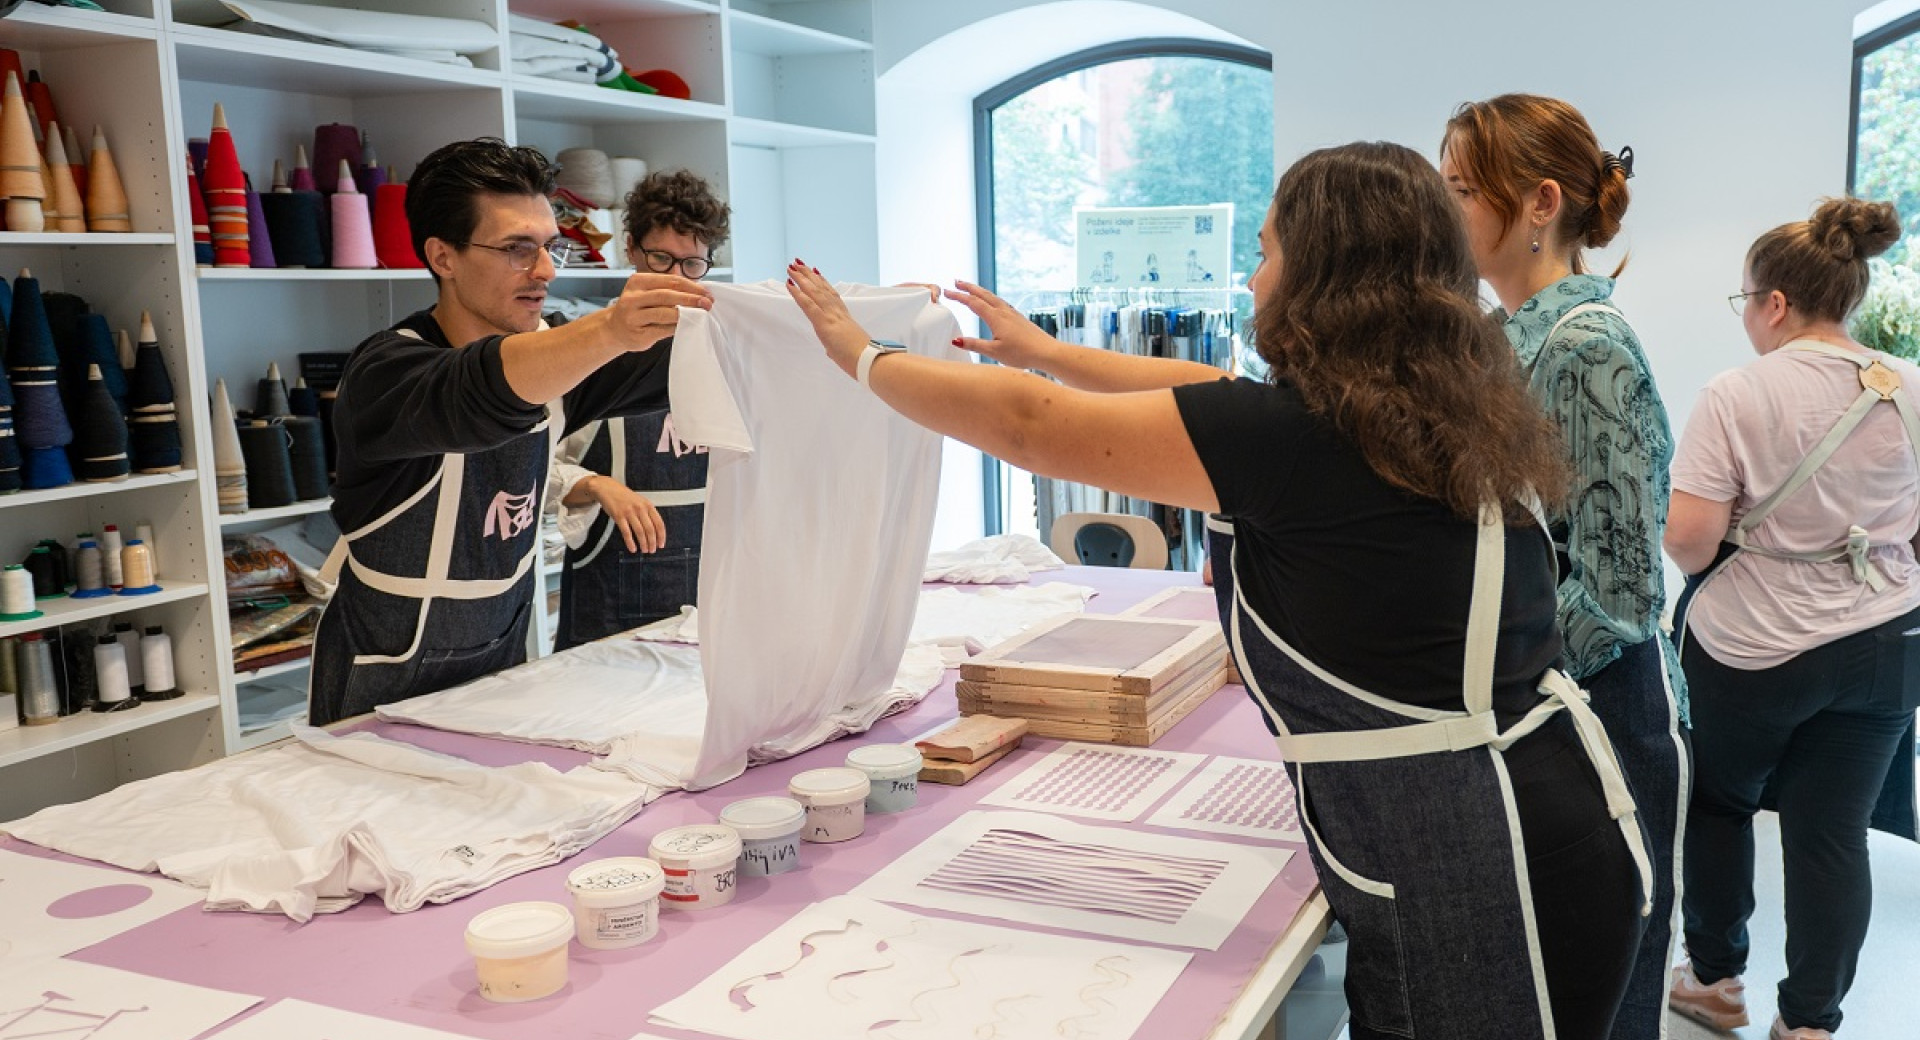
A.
pixel 16 594
pixel 302 400
pixel 307 457
pixel 136 570
pixel 100 442
pixel 76 159
pixel 156 665
pixel 333 144
pixel 62 564
pixel 153 423
pixel 10 671
pixel 259 239
pixel 90 572
pixel 61 188
pixel 10 479
pixel 588 173
pixel 107 208
pixel 124 344
pixel 628 172
pixel 367 173
pixel 229 463
pixel 97 348
pixel 46 584
pixel 40 418
pixel 197 148
pixel 202 231
pixel 21 180
pixel 269 464
pixel 270 397
pixel 352 226
pixel 144 532
pixel 39 685
pixel 302 177
pixel 40 103
pixel 113 685
pixel 226 188
pixel 392 235
pixel 65 315
pixel 110 548
pixel 129 639
pixel 296 226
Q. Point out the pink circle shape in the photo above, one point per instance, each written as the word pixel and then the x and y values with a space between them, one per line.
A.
pixel 99 902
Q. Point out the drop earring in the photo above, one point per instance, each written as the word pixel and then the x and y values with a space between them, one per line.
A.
pixel 1536 238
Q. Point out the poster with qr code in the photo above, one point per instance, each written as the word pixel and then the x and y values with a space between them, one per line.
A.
pixel 1239 796
pixel 1171 247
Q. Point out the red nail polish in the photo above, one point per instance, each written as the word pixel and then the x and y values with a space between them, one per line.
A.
pixel 956 341
pixel 816 270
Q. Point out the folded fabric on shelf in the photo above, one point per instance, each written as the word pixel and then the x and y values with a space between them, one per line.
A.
pixel 533 38
pixel 366 30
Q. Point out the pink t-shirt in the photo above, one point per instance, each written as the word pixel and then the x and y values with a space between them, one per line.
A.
pixel 1749 431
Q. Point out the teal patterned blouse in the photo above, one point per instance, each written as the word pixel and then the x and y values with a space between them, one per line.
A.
pixel 1593 380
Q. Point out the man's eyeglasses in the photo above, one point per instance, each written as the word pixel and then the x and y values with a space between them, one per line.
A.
pixel 1738 301
pixel 659 261
pixel 523 255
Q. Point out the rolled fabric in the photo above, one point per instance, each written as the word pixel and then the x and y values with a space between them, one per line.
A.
pixel 20 163
pixel 202 233
pixel 229 462
pixel 40 417
pixel 226 188
pixel 106 195
pixel 259 240
pixel 100 434
pixel 352 225
pixel 392 235
pixel 153 424
pixel 332 144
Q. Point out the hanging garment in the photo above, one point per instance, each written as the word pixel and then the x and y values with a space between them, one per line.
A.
pixel 314 825
pixel 1412 821
pixel 604 588
pixel 820 503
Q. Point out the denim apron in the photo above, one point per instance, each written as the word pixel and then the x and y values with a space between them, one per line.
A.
pixel 606 589
pixel 436 591
pixel 1411 821
pixel 1897 812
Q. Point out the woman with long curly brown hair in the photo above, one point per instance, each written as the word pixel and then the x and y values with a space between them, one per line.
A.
pixel 1391 592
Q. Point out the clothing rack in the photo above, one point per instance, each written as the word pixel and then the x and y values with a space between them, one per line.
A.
pixel 1203 325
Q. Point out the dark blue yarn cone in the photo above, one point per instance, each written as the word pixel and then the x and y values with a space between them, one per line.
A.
pixel 9 445
pixel 153 425
pixel 97 349
pixel 40 418
pixel 100 438
pixel 64 314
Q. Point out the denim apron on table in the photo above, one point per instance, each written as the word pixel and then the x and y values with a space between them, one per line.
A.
pixel 606 589
pixel 437 591
pixel 1440 945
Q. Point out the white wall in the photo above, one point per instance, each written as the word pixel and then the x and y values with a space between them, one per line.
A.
pixel 1737 113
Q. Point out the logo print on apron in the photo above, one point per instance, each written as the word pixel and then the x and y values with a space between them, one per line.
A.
pixel 511 514
pixel 670 441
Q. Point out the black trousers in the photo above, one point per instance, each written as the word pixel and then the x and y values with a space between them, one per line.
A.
pixel 1824 727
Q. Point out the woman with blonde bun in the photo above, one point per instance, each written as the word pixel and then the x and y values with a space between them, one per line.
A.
pixel 1795 506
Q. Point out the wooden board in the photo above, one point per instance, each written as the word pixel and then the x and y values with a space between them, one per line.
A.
pixel 953 774
pixel 1128 736
pixel 1098 652
pixel 973 738
pixel 1048 702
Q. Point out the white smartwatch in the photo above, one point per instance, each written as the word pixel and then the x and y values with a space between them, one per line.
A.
pixel 876 348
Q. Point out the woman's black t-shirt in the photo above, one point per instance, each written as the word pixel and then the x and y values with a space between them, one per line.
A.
pixel 1366 580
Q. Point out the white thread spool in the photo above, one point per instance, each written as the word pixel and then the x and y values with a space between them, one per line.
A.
pixel 9 668
pixel 89 566
pixel 110 672
pixel 156 661
pixel 136 569
pixel 110 547
pixel 16 594
pixel 130 646
pixel 39 690
pixel 628 172
pixel 588 173
pixel 145 533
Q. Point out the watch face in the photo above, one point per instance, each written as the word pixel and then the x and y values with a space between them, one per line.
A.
pixel 887 344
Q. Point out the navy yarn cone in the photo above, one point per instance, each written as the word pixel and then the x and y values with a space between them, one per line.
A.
pixel 9 445
pixel 40 419
pixel 153 425
pixel 64 314
pixel 100 437
pixel 97 349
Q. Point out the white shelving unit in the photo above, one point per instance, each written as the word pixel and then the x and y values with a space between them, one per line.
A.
pixel 781 122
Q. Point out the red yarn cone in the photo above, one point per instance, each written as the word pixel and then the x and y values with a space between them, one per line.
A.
pixel 202 234
pixel 226 189
pixel 392 235
pixel 41 101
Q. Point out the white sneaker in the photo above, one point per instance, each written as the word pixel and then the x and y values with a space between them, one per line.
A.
pixel 1721 1006
pixel 1781 1032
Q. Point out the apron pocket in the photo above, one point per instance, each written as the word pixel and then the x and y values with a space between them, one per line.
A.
pixel 1896 686
pixel 656 585
pixel 441 669
pixel 1376 960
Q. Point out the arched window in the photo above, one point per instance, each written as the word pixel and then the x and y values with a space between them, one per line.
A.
pixel 1161 122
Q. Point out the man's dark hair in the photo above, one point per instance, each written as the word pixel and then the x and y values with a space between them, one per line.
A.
pixel 678 201
pixel 440 197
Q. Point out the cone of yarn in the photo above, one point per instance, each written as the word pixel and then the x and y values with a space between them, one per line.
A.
pixel 40 100
pixel 392 235
pixel 202 233
pixel 64 312
pixel 334 143
pixel 627 173
pixel 40 417
pixel 106 195
pixel 89 571
pixel 229 462
pixel 49 206
pixel 271 398
pixel 9 444
pixel 197 155
pixel 301 399
pixel 368 174
pixel 352 225
pixel 66 195
pixel 75 157
pixel 226 188
pixel 100 434
pixel 259 240
pixel 136 568
pixel 307 453
pixel 20 165
pixel 96 348
pixel 302 179
pixel 10 64
pixel 264 446
pixel 588 173
pixel 124 344
pixel 153 424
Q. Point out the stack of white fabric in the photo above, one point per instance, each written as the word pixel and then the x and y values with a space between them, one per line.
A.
pixel 314 825
pixel 378 32
pixel 553 51
pixel 1002 559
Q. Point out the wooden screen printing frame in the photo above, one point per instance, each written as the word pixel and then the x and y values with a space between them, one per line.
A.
pixel 1015 661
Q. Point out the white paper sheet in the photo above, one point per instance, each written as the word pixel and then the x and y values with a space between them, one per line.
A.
pixel 299 1020
pixel 1105 880
pixel 1242 796
pixel 76 1001
pixel 51 908
pixel 851 969
pixel 1100 781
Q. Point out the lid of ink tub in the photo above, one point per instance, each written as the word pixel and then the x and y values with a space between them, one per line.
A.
pixel 519 930
pixel 833 785
pixel 699 846
pixel 758 818
pixel 886 761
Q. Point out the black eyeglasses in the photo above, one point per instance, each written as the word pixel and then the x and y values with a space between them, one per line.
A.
pixel 659 261
pixel 523 255
pixel 1738 301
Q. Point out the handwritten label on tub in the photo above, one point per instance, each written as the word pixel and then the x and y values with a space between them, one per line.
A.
pixel 769 856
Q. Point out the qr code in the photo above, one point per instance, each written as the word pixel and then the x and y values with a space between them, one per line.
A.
pixel 1203 225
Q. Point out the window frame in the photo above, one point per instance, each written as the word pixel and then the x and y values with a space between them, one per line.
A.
pixel 1866 46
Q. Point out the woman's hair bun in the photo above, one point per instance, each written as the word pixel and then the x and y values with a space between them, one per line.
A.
pixel 1853 229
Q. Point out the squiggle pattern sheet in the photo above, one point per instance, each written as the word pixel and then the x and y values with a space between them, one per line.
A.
pixel 852 969
pixel 1047 871
pixel 1095 780
pixel 1240 796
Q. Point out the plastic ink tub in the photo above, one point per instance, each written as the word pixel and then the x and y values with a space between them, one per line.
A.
pixel 616 902
pixel 520 950
pixel 893 775
pixel 699 861
pixel 769 830
pixel 836 801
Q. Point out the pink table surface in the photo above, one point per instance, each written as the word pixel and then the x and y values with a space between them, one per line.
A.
pixel 414 967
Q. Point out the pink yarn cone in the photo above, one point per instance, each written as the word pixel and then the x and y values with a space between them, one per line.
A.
pixel 352 225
